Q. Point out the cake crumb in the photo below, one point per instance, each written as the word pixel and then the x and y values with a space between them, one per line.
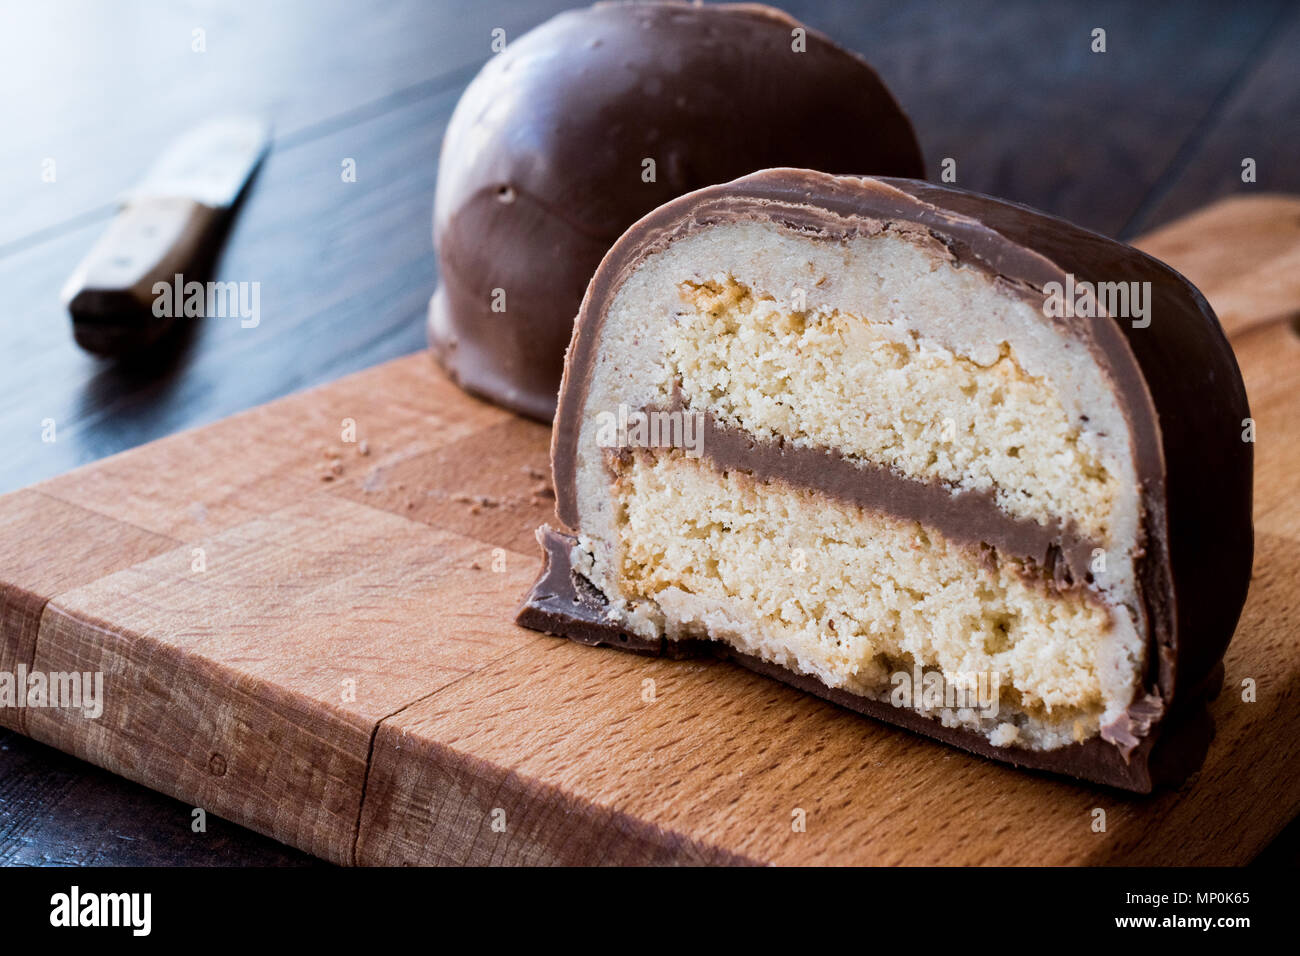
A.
pixel 1004 735
pixel 476 502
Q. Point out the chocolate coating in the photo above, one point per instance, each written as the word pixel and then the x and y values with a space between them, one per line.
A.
pixel 542 165
pixel 1177 383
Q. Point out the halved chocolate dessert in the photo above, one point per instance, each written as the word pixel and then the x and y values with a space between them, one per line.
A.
pixel 937 457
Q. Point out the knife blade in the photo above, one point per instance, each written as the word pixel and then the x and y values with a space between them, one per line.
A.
pixel 172 223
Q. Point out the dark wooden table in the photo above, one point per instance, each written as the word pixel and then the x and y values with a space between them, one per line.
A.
pixel 1120 141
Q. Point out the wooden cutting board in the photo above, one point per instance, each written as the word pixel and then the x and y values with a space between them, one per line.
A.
pixel 312 636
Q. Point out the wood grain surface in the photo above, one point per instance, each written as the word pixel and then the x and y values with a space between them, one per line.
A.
pixel 303 615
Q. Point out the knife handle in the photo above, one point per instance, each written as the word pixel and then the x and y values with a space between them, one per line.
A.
pixel 151 240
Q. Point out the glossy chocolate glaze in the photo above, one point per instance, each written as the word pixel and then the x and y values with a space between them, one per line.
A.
pixel 1177 383
pixel 542 165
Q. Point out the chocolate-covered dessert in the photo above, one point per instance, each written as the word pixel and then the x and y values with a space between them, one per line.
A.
pixel 939 458
pixel 586 123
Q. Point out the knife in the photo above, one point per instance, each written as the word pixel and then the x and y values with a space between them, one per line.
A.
pixel 171 224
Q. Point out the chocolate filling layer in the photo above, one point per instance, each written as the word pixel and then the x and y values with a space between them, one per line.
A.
pixel 1055 553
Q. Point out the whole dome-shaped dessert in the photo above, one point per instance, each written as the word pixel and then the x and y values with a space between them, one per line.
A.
pixel 591 120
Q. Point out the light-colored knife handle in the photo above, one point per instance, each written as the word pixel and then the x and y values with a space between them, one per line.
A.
pixel 111 294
